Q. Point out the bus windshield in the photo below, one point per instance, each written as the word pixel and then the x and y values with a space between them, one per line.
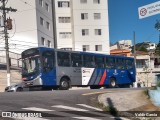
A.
pixel 31 65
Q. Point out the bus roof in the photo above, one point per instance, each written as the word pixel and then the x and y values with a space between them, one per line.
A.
pixel 81 52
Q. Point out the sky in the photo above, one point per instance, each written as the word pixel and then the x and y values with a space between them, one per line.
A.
pixel 124 19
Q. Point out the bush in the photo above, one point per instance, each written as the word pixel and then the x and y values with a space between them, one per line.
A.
pixel 158 83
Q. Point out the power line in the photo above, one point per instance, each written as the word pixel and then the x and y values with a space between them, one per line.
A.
pixel 22 41
pixel 7 26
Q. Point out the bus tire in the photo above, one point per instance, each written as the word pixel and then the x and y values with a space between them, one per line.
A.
pixel 112 83
pixel 64 84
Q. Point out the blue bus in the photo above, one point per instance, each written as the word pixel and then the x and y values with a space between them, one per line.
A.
pixel 50 68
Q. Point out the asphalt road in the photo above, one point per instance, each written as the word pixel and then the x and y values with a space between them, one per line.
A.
pixel 54 105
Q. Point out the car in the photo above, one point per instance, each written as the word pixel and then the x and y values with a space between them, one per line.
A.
pixel 15 88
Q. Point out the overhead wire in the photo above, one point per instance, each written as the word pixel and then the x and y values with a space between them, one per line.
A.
pixel 34 8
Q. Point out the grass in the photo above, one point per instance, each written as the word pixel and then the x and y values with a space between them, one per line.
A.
pixel 158 84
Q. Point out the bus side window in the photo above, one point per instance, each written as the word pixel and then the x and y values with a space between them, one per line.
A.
pixel 63 59
pixel 88 61
pixel 99 61
pixel 129 64
pixel 110 62
pixel 76 60
pixel 120 63
pixel 48 61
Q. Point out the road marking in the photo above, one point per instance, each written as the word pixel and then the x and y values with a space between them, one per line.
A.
pixel 30 118
pixel 69 108
pixel 86 118
pixel 37 109
pixel 87 106
pixel 93 93
pixel 121 118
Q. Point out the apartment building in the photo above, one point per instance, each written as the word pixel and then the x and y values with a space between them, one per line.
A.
pixel 32 25
pixel 80 25
pixel 122 45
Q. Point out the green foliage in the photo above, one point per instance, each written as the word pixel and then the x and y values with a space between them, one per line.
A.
pixel 158 84
pixel 157 50
pixel 143 48
pixel 146 92
pixel 112 110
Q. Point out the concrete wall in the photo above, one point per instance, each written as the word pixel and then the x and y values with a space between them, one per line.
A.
pixel 15 78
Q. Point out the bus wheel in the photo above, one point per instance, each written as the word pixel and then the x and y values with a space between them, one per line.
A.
pixel 64 84
pixel 112 83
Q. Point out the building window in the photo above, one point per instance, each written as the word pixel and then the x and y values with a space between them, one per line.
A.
pixel 41 21
pixel 83 1
pixel 47 7
pixel 64 4
pixel 84 16
pixel 49 44
pixel 41 3
pixel 97 16
pixel 48 25
pixel 64 19
pixel 98 32
pixel 98 47
pixel 42 41
pixel 85 47
pixel 65 35
pixel 85 32
pixel 96 1
pixel 70 49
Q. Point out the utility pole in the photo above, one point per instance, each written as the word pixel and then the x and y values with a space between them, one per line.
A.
pixel 54 23
pixel 135 56
pixel 7 26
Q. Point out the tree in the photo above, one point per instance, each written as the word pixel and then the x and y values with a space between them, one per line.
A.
pixel 157 26
pixel 157 50
pixel 142 48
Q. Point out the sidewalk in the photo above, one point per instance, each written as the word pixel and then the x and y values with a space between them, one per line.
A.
pixel 129 104
pixel 126 101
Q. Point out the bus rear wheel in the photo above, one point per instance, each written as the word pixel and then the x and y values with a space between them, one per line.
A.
pixel 112 83
pixel 64 84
